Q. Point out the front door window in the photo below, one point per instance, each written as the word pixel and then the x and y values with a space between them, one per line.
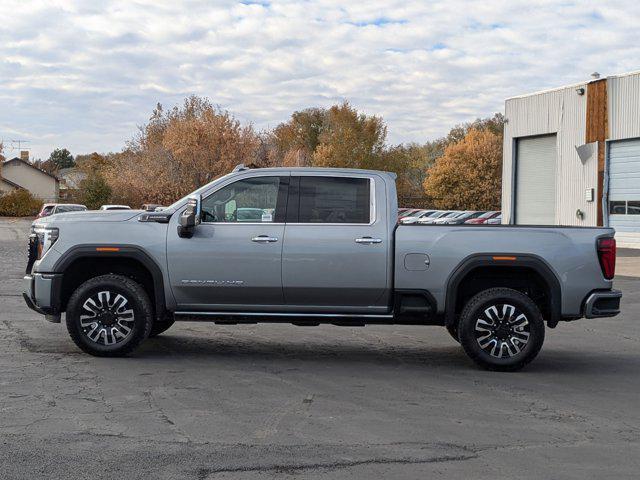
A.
pixel 252 200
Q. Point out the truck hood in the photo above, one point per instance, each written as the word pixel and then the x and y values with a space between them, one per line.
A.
pixel 89 216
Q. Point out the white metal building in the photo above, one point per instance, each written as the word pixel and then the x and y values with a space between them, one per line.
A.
pixel 572 157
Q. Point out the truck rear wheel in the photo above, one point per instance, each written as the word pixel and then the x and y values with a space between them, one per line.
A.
pixel 501 329
pixel 109 316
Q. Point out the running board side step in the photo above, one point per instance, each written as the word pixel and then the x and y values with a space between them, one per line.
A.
pixel 301 319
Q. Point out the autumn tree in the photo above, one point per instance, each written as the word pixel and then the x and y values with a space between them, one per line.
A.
pixel 493 124
pixel 469 173
pixel 180 150
pixel 350 139
pixel 297 139
pixel 410 162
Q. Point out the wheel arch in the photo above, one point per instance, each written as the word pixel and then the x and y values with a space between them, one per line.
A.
pixel 526 267
pixel 128 260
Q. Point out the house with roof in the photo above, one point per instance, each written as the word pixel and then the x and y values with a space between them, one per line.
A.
pixel 18 173
pixel 70 180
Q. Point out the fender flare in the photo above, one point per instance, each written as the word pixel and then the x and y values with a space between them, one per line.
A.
pixel 118 251
pixel 534 262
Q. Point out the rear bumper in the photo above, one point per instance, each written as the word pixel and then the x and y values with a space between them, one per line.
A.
pixel 41 293
pixel 602 303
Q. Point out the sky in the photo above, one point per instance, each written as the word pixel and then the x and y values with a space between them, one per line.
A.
pixel 85 74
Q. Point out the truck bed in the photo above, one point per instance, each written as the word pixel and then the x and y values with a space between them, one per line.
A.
pixel 568 252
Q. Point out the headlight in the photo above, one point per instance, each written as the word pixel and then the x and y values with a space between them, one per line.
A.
pixel 47 236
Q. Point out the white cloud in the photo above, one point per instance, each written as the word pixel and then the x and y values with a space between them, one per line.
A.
pixel 83 74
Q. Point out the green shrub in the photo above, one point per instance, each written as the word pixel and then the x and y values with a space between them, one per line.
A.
pixel 94 192
pixel 19 203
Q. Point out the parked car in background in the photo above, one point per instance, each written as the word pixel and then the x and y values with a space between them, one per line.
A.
pixel 482 218
pixel 416 216
pixel 438 214
pixel 440 219
pixel 461 218
pixel 115 207
pixel 151 207
pixel 497 220
pixel 53 208
pixel 406 211
pixel 449 216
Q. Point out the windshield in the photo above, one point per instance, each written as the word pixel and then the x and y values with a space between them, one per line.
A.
pixel 70 208
pixel 487 215
pixel 47 210
pixel 199 191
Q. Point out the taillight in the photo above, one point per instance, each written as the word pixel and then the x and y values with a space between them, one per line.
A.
pixel 607 256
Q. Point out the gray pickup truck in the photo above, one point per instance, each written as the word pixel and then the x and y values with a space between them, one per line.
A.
pixel 311 246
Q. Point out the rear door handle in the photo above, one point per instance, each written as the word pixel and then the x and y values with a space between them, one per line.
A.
pixel 368 240
pixel 264 239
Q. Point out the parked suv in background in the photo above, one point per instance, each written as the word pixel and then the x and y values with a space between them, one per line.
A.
pixel 479 220
pixel 460 218
pixel 414 217
pixel 53 208
pixel 497 220
pixel 438 214
pixel 323 246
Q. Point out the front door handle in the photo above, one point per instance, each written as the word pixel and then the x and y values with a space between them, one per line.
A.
pixel 368 240
pixel 264 239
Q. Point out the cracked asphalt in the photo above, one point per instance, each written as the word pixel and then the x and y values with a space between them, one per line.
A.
pixel 278 401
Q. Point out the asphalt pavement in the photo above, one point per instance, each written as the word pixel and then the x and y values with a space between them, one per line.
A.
pixel 206 401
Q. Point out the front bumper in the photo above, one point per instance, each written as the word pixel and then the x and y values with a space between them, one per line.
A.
pixel 602 303
pixel 41 292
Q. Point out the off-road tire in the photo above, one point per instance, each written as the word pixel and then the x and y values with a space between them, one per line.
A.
pixel 474 325
pixel 136 301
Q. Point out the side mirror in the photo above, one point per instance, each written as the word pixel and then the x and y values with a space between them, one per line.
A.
pixel 190 217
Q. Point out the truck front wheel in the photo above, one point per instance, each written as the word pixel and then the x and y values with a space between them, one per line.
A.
pixel 501 329
pixel 109 315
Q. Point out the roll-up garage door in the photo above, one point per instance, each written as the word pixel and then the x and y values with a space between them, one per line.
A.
pixel 624 190
pixel 536 180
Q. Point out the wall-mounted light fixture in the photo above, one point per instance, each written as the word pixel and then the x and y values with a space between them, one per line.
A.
pixel 580 90
pixel 586 151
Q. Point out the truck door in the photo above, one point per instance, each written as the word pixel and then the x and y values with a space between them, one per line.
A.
pixel 233 260
pixel 335 251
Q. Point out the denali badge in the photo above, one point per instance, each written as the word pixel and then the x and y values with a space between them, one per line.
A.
pixel 215 283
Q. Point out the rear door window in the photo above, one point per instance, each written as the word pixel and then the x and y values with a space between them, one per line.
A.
pixel 334 200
